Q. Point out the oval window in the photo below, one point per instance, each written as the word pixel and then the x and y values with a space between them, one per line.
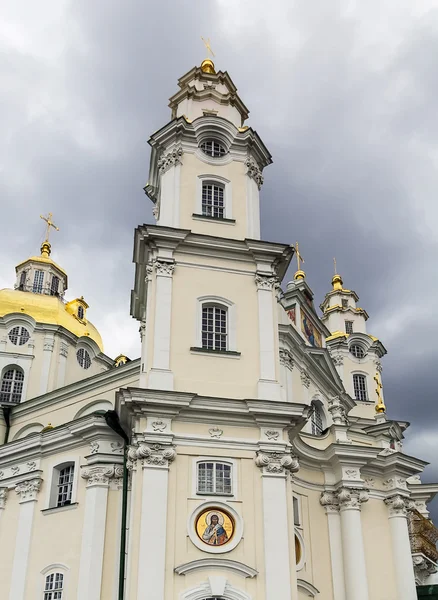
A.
pixel 213 148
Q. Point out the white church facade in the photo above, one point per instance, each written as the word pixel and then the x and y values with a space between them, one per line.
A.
pixel 259 460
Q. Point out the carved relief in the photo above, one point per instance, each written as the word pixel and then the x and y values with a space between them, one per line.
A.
pixel 351 498
pixel 397 506
pixel 286 358
pixel 170 159
pixel 329 501
pixel 49 344
pixel 305 379
pixel 116 447
pixel 154 455
pixel 254 171
pixel 3 497
pixel 273 435
pixel 378 365
pixel 28 490
pixel 337 411
pixel 276 463
pixel 159 425
pixel 164 268
pixel 94 447
pixel 63 350
pixel 338 359
pixel 215 432
pixel 31 465
pixel 265 282
pixel 98 474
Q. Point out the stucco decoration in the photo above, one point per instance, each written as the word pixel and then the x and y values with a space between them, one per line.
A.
pixel 397 506
pixel 215 535
pixel 329 501
pixel 98 475
pixel 423 568
pixel 265 282
pixel 351 498
pixel 216 585
pixel 307 588
pixel 170 159
pixel 337 411
pixel 215 432
pixel 286 358
pixel 254 171
pixel 164 268
pixel 305 379
pixel 152 455
pixel 28 490
pixel 3 497
pixel 214 563
pixel 276 463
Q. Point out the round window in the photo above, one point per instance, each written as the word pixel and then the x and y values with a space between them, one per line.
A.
pixel 357 351
pixel 213 148
pixel 83 358
pixel 19 336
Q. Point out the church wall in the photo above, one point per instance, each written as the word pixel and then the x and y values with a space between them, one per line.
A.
pixel 368 368
pixel 8 530
pixel 111 557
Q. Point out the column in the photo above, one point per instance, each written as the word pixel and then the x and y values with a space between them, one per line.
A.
pixel 401 547
pixel 3 498
pixel 93 530
pixel 268 387
pixel 62 361
pixel 286 366
pixel 274 466
pixel 152 556
pixel 329 501
pixel 161 377
pixel 28 492
pixel 356 583
pixel 49 343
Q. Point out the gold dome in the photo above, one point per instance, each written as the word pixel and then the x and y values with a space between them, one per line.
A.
pixel 207 66
pixel 46 309
pixel 337 282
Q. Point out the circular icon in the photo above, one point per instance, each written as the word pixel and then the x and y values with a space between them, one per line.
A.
pixel 215 527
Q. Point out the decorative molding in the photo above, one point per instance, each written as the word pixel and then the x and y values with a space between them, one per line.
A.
pixel 369 482
pixel 423 568
pixel 3 497
pixel 28 489
pixel 305 379
pixel 277 462
pixel 31 465
pixel 272 434
pixel 164 268
pixel 337 411
pixel 153 455
pixel 351 498
pixel 265 282
pixel 286 358
pixel 393 483
pixel 307 587
pixel 338 359
pixel 221 506
pixel 397 506
pixel 63 350
pixel 378 365
pixel 254 171
pixel 213 563
pixel 94 447
pixel 156 212
pixel 170 159
pixel 329 501
pixel 215 432
pixel 49 344
pixel 100 475
pixel 116 447
pixel 158 425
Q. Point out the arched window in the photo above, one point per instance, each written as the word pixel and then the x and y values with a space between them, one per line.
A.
pixel 11 387
pixel 65 478
pixel 54 586
pixel 357 351
pixel 54 287
pixel 213 148
pixel 214 327
pixel 316 419
pixel 213 200
pixel 81 312
pixel 214 478
pixel 83 358
pixel 360 387
pixel 19 336
pixel 38 282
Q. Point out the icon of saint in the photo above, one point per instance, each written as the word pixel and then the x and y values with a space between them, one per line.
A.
pixel 215 534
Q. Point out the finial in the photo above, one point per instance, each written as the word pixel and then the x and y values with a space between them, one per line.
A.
pixel 380 406
pixel 336 279
pixel 300 274
pixel 207 65
pixel 45 246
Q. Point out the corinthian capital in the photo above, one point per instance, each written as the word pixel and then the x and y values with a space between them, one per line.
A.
pixel 170 159
pixel 337 411
pixel 277 462
pixel 254 171
pixel 286 358
pixel 397 505
pixel 3 497
pixel 329 501
pixel 351 498
pixel 28 490
pixel 265 282
pixel 98 475
pixel 153 455
pixel 164 268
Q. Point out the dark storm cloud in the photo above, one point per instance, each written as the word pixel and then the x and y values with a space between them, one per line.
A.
pixel 342 93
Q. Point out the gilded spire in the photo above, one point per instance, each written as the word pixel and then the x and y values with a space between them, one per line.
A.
pixel 380 406
pixel 207 65
pixel 336 279
pixel 300 274
pixel 45 246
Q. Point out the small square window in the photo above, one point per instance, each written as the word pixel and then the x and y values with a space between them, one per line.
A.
pixel 348 326
pixel 214 478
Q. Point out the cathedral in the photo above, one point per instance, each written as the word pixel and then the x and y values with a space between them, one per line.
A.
pixel 247 454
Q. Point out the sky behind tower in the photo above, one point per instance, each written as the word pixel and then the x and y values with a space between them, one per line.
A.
pixel 343 93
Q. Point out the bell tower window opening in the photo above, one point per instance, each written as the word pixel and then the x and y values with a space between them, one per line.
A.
pixel 19 336
pixel 344 303
pixel 81 312
pixel 357 351
pixel 38 282
pixel 348 326
pixel 54 286
pixel 213 201
pixel 360 387
pixel 22 283
pixel 214 328
pixel 83 358
pixel 316 420
pixel 213 148
pixel 11 387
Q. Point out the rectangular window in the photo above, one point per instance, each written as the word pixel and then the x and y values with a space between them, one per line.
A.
pixel 213 200
pixel 296 502
pixel 65 485
pixel 54 586
pixel 214 478
pixel 214 328
pixel 344 303
pixel 54 286
pixel 348 326
pixel 360 387
pixel 38 282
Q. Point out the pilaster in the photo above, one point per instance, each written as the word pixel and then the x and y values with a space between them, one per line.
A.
pixel 286 368
pixel 330 502
pixel 62 362
pixel 49 343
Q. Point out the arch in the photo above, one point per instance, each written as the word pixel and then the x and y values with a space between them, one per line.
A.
pixel 93 407
pixel 28 430
pixel 216 563
pixel 53 569
pixel 307 587
pixel 16 319
pixel 84 341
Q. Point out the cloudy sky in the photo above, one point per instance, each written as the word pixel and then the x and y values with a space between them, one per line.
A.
pixel 343 93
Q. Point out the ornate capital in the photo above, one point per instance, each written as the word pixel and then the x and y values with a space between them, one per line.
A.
pixel 156 212
pixel 423 568
pixel 63 350
pixel 100 475
pixel 170 159
pixel 153 455
pixel 329 501
pixel 337 411
pixel 265 282
pixel 276 463
pixel 305 379
pixel 351 498
pixel 286 358
pixel 378 365
pixel 338 359
pixel 49 344
pixel 397 505
pixel 28 490
pixel 254 171
pixel 3 497
pixel 164 268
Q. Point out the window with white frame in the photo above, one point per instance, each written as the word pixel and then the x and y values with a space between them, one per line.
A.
pixel 19 335
pixel 11 386
pixel 316 419
pixel 83 358
pixel 348 326
pixel 213 148
pixel 360 387
pixel 65 484
pixel 357 351
pixel 213 200
pixel 214 477
pixel 54 586
pixel 38 282
pixel 214 327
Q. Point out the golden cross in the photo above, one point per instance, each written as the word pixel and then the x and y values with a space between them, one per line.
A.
pixel 334 262
pixel 50 224
pixel 379 387
pixel 207 45
pixel 300 259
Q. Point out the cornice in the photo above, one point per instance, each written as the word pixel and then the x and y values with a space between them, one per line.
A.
pixel 220 563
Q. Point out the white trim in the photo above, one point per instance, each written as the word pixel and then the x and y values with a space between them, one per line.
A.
pixel 228 193
pixel 215 459
pixel 20 361
pixel 19 569
pixel 86 410
pixel 231 320
pixel 53 470
pixel 215 586
pixel 238 531
pixel 302 561
pixel 307 587
pixel 30 428
pixel 53 568
pixel 297 497
pixel 216 563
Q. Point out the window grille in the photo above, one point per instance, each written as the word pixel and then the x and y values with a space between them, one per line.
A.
pixel 54 287
pixel 360 387
pixel 38 282
pixel 81 312
pixel 11 387
pixel 54 586
pixel 213 200
pixel 65 485
pixel 357 351
pixel 213 148
pixel 214 478
pixel 214 328
pixel 344 303
pixel 348 326
pixel 316 420
pixel 83 358
pixel 19 336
